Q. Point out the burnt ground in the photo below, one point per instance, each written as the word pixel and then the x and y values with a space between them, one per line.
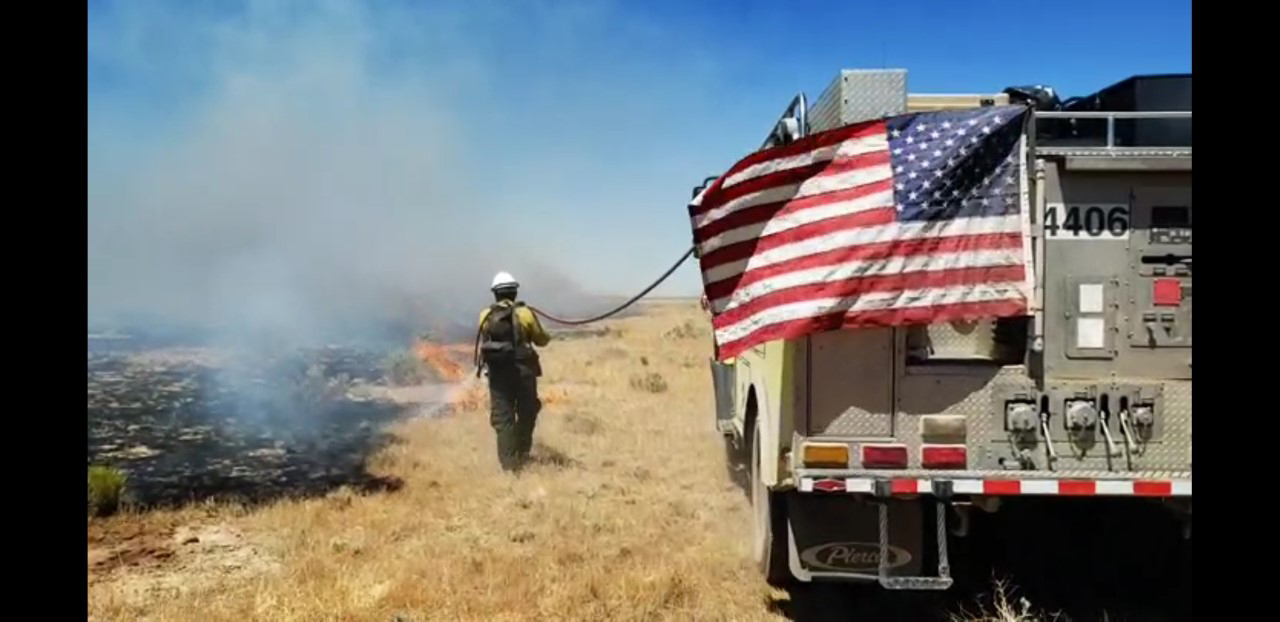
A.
pixel 191 424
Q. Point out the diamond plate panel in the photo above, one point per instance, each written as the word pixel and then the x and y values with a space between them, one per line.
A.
pixel 851 383
pixel 1167 450
pixel 979 399
pixel 969 393
pixel 859 95
pixel 986 340
pixel 857 422
pixel 1173 448
pixel 824 114
pixel 872 94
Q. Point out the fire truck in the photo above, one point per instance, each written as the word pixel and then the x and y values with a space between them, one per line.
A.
pixel 870 450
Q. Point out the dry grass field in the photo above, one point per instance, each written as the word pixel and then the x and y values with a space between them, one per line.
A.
pixel 628 513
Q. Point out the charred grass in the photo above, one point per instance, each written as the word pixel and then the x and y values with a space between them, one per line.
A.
pixel 189 425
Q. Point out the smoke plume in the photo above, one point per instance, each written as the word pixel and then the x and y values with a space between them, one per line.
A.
pixel 305 170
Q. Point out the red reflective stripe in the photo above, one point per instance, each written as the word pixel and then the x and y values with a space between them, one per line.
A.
pixel 1077 487
pixel 829 485
pixel 1153 489
pixel 1064 487
pixel 1002 487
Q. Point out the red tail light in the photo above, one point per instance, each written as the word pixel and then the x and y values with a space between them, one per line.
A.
pixel 944 457
pixel 884 457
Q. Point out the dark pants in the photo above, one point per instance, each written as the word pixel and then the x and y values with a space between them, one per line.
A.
pixel 513 413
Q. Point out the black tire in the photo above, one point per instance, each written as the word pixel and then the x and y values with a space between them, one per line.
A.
pixel 769 523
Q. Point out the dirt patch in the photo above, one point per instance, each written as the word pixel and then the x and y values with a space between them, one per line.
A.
pixel 191 545
pixel 170 561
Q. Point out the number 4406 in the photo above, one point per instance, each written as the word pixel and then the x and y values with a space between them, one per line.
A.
pixel 1086 221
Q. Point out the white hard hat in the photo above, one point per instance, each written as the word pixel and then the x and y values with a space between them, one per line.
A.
pixel 504 280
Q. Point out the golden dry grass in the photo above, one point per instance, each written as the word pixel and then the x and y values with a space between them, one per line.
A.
pixel 627 515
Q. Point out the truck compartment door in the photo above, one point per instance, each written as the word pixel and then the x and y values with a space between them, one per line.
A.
pixel 851 383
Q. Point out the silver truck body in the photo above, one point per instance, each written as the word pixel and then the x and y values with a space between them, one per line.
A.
pixel 1089 396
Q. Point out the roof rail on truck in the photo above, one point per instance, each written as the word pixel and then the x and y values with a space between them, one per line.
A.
pixel 1113 133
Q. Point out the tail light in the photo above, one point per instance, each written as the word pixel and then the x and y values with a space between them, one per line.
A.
pixel 944 457
pixel 884 456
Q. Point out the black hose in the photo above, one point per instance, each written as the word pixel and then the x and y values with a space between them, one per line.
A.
pixel 621 307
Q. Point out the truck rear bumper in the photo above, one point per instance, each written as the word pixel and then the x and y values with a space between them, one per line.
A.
pixel 1032 484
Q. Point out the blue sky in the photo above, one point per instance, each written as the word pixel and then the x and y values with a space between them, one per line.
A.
pixel 237 148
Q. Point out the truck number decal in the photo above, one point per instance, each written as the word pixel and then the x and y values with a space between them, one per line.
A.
pixel 1086 221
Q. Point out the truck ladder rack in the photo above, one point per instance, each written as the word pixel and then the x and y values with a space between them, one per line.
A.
pixel 940 582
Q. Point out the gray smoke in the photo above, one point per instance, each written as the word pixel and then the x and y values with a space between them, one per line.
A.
pixel 291 181
pixel 284 177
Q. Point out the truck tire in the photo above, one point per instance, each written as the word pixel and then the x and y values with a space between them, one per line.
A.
pixel 769 522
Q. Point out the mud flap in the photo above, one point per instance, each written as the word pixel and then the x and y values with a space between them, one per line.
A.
pixel 722 379
pixel 838 537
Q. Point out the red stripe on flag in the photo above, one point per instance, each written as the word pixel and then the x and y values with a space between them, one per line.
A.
pixel 868 252
pixel 745 249
pixel 867 319
pixel 1153 489
pixel 712 196
pixel 786 177
pixel 764 212
pixel 796 176
pixel 859 286
pixel 1077 487
pixel 1002 487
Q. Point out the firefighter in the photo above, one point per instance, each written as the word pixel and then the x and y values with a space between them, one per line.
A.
pixel 507 334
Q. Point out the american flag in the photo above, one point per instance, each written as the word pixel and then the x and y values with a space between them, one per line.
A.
pixel 918 218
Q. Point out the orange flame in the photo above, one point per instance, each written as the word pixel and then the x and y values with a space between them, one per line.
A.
pixel 447 361
pixel 442 359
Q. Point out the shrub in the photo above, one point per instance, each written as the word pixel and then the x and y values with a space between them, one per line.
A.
pixel 106 489
pixel 651 382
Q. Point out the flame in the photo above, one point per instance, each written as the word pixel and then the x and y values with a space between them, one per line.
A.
pixel 442 359
pixel 553 395
pixel 446 361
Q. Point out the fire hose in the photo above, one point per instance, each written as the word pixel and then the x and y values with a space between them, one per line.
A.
pixel 619 308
